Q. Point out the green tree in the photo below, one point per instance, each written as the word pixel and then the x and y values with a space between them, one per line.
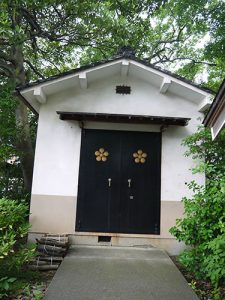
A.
pixel 11 176
pixel 178 36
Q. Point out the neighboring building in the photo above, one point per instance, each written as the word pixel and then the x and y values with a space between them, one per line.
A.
pixel 215 118
pixel 109 165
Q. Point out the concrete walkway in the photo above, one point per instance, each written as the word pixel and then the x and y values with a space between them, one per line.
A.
pixel 118 273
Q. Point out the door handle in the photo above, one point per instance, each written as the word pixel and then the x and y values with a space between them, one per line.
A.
pixel 129 183
pixel 109 180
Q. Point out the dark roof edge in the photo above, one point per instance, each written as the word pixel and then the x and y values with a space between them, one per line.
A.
pixel 18 94
pixel 115 58
pixel 215 103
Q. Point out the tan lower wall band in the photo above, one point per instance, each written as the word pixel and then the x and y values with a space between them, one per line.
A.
pixel 57 214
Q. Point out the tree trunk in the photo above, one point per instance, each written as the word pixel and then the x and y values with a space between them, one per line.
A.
pixel 23 143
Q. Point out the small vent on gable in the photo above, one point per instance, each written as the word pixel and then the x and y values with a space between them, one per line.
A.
pixel 123 89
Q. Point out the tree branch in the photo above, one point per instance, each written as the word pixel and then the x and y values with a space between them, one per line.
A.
pixel 45 54
pixel 165 59
pixel 34 69
pixel 6 57
pixel 4 42
pixel 57 11
pixel 36 29
pixel 7 67
pixel 171 41
pixel 3 73
pixel 53 33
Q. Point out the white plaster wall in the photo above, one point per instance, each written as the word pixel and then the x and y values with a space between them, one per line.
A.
pixel 58 142
pixel 100 97
pixel 56 156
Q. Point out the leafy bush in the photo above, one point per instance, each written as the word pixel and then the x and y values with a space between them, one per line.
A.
pixel 5 286
pixel 203 225
pixel 14 252
pixel 214 262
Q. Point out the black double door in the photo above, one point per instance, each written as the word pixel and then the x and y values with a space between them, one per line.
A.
pixel 119 182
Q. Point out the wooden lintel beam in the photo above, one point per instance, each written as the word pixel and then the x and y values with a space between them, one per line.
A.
pixel 118 118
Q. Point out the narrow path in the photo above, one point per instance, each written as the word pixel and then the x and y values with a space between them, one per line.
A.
pixel 118 273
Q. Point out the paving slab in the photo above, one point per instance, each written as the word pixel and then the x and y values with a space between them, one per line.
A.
pixel 118 273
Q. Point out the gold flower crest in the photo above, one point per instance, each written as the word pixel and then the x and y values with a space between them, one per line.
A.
pixel 140 156
pixel 101 154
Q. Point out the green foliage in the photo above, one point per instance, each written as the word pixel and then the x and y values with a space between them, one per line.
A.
pixel 203 225
pixel 7 123
pixel 36 294
pixel 177 35
pixel 214 49
pixel 57 36
pixel 6 284
pixel 14 252
pixel 11 175
pixel 11 183
pixel 214 262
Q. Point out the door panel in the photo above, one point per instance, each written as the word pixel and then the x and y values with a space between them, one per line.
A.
pixel 140 201
pixel 97 201
pixel 125 206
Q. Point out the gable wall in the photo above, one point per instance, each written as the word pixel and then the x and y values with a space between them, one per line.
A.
pixel 100 97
